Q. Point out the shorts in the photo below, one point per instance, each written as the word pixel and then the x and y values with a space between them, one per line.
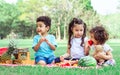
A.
pixel 48 60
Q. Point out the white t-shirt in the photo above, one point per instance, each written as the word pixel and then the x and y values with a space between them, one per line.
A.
pixel 106 47
pixel 76 50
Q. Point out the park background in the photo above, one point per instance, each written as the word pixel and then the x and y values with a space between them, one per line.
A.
pixel 18 21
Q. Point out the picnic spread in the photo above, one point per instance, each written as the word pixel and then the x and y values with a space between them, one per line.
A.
pixel 22 58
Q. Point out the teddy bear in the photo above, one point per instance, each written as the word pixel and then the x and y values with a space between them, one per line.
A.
pixel 99 50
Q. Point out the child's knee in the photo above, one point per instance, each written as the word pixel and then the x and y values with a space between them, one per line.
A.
pixel 50 60
pixel 41 62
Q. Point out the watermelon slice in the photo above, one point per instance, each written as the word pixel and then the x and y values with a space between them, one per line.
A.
pixel 3 50
pixel 65 65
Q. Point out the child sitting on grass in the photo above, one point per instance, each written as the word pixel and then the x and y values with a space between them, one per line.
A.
pixel 99 36
pixel 44 44
pixel 76 41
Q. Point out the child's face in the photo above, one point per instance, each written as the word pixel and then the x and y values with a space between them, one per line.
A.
pixel 93 39
pixel 41 28
pixel 78 31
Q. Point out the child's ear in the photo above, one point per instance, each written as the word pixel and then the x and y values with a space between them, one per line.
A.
pixel 47 28
pixel 71 29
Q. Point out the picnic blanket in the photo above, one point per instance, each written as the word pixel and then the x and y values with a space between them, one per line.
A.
pixel 62 65
pixel 49 66
pixel 67 65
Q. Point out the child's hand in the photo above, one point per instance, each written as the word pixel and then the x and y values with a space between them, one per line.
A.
pixel 42 39
pixel 39 34
pixel 99 56
pixel 46 40
pixel 50 44
pixel 73 62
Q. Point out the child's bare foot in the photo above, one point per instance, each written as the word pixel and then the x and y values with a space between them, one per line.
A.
pixel 61 58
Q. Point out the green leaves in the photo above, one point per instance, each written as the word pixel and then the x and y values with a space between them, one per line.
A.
pixel 22 17
pixel 11 47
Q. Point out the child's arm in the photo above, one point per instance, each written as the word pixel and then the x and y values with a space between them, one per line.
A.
pixel 103 56
pixel 108 55
pixel 36 47
pixel 51 46
pixel 86 48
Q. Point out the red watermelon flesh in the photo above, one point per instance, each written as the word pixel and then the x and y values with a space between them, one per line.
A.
pixel 90 42
pixel 3 50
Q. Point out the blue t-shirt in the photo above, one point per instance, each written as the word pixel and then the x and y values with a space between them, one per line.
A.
pixel 44 49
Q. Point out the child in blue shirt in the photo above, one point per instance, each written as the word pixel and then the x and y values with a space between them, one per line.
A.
pixel 44 44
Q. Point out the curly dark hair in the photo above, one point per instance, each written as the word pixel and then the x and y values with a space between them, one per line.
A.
pixel 71 25
pixel 45 19
pixel 100 34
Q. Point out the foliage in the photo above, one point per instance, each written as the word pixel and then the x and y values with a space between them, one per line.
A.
pixel 111 22
pixel 8 17
pixel 21 16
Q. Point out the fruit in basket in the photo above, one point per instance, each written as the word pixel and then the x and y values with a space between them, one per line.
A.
pixel 7 52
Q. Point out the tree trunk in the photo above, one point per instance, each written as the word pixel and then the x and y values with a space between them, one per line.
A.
pixel 32 32
pixel 65 30
pixel 59 34
pixel 58 30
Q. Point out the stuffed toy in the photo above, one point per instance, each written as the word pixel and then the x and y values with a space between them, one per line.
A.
pixel 99 50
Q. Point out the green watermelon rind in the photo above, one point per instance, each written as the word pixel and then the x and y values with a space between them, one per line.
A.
pixel 87 61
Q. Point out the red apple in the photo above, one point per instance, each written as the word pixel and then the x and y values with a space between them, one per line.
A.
pixel 90 42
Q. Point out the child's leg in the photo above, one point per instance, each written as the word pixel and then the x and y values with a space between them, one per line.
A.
pixel 100 62
pixel 60 59
pixel 74 61
pixel 50 60
pixel 57 60
pixel 40 60
pixel 110 62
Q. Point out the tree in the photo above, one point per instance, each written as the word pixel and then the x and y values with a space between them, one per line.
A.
pixel 67 9
pixel 60 11
pixel 8 17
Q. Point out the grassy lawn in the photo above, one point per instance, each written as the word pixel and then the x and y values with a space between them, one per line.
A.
pixel 61 49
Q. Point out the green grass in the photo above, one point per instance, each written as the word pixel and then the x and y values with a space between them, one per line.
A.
pixel 61 49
